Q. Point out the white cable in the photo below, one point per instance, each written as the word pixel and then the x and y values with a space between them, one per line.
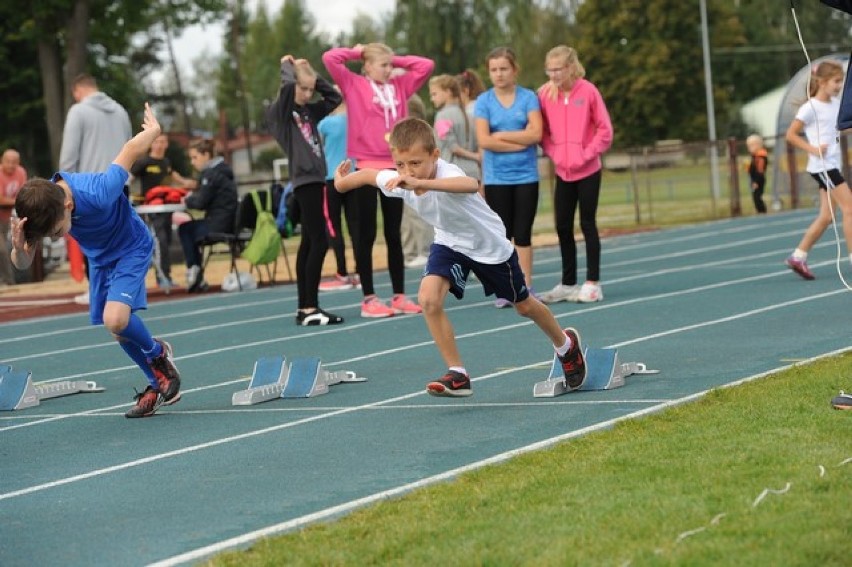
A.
pixel 828 183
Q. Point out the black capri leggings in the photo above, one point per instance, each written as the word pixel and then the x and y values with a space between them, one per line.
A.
pixel 516 205
pixel 366 204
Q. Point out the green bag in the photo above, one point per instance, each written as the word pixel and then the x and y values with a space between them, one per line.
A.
pixel 265 243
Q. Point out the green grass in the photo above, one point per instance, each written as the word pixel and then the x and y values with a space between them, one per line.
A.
pixel 624 495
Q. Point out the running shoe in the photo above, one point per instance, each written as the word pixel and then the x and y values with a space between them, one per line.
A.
pixel 337 283
pixel 590 293
pixel 451 385
pixel 573 362
pixel 501 303
pixel 561 292
pixel 800 266
pixel 374 308
pixel 147 402
pixel 166 373
pixel 401 305
pixel 842 401
pixel 318 317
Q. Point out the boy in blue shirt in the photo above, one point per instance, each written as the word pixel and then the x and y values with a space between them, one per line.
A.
pixel 93 209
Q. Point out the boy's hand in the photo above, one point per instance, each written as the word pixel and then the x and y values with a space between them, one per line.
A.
pixel 343 169
pixel 18 241
pixel 408 183
pixel 149 122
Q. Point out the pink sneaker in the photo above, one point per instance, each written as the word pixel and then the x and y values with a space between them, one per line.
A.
pixel 404 306
pixel 374 308
pixel 800 267
pixel 336 283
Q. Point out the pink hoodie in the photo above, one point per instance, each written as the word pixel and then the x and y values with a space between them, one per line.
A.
pixel 577 130
pixel 368 121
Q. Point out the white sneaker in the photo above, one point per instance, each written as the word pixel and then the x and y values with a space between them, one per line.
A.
pixel 82 299
pixel 561 292
pixel 192 273
pixel 590 293
pixel 416 262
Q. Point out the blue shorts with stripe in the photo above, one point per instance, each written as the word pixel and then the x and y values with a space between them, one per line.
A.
pixel 122 280
pixel 505 280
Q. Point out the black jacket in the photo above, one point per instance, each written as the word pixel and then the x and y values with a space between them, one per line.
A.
pixel 295 127
pixel 216 194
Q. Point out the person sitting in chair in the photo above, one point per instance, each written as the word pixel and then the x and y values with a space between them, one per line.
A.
pixel 215 193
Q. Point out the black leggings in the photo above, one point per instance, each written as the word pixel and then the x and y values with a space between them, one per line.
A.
pixel 566 196
pixel 516 205
pixel 334 202
pixel 314 243
pixel 365 198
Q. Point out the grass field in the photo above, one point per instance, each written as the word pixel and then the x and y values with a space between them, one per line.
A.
pixel 685 486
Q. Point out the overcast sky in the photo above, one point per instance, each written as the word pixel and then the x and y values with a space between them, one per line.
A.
pixel 331 16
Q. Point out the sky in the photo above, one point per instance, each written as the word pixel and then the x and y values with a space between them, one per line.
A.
pixel 331 16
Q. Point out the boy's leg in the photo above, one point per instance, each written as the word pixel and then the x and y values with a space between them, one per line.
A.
pixel 433 291
pixel 566 342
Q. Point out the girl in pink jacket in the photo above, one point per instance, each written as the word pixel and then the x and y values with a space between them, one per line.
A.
pixel 577 130
pixel 375 101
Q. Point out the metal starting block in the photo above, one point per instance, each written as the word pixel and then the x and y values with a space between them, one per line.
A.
pixel 603 372
pixel 18 392
pixel 304 378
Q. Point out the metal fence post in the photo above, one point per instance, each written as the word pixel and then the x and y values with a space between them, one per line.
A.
pixel 736 208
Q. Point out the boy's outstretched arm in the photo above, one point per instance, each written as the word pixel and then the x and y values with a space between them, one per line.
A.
pixel 345 179
pixel 137 146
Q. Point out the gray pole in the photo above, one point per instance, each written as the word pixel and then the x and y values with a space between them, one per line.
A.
pixel 711 111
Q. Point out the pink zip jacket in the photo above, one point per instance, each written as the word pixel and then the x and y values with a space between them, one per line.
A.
pixel 369 123
pixel 577 130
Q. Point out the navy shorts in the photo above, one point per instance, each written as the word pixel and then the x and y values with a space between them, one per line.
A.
pixel 505 280
pixel 833 174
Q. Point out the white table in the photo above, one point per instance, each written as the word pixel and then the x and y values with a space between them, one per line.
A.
pixel 144 211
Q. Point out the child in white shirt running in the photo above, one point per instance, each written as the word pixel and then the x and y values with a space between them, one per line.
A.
pixel 469 236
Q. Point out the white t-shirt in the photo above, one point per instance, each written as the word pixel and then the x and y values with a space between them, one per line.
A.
pixel 816 114
pixel 463 221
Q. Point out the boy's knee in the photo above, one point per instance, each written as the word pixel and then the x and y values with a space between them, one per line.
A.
pixel 115 322
pixel 525 307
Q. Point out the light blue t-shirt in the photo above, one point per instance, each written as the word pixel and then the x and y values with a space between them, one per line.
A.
pixel 508 168
pixel 332 128
pixel 103 221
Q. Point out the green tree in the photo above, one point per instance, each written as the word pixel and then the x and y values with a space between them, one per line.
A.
pixel 645 57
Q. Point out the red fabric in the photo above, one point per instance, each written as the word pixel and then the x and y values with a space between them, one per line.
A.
pixel 75 259
pixel 164 195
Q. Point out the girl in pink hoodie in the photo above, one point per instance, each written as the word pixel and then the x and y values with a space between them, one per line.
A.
pixel 577 130
pixel 375 101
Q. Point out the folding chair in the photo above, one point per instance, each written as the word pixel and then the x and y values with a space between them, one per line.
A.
pixel 233 242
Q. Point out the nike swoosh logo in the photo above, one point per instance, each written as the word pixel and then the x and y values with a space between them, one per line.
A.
pixel 458 384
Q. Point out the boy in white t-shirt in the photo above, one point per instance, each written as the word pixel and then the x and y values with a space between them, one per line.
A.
pixel 469 236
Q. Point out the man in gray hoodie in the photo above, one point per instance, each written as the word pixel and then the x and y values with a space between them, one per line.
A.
pixel 96 128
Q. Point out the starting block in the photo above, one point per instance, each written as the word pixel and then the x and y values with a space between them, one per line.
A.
pixel 604 371
pixel 18 392
pixel 303 378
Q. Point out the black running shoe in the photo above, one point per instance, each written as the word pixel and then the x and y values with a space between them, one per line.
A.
pixel 166 373
pixel 573 363
pixel 318 317
pixel 147 403
pixel 842 401
pixel 452 385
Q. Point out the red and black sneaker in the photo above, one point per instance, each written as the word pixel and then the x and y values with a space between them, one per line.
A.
pixel 166 373
pixel 147 402
pixel 452 385
pixel 573 363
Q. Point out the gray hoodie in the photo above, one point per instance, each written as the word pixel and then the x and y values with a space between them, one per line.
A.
pixel 96 129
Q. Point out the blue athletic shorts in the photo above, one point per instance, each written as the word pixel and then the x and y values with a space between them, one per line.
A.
pixel 123 280
pixel 505 280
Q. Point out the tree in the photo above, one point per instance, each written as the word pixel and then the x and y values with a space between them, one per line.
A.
pixel 645 57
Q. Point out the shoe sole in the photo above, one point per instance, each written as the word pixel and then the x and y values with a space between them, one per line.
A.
pixel 597 299
pixel 439 390
pixel 376 315
pixel 585 367
pixel 806 275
